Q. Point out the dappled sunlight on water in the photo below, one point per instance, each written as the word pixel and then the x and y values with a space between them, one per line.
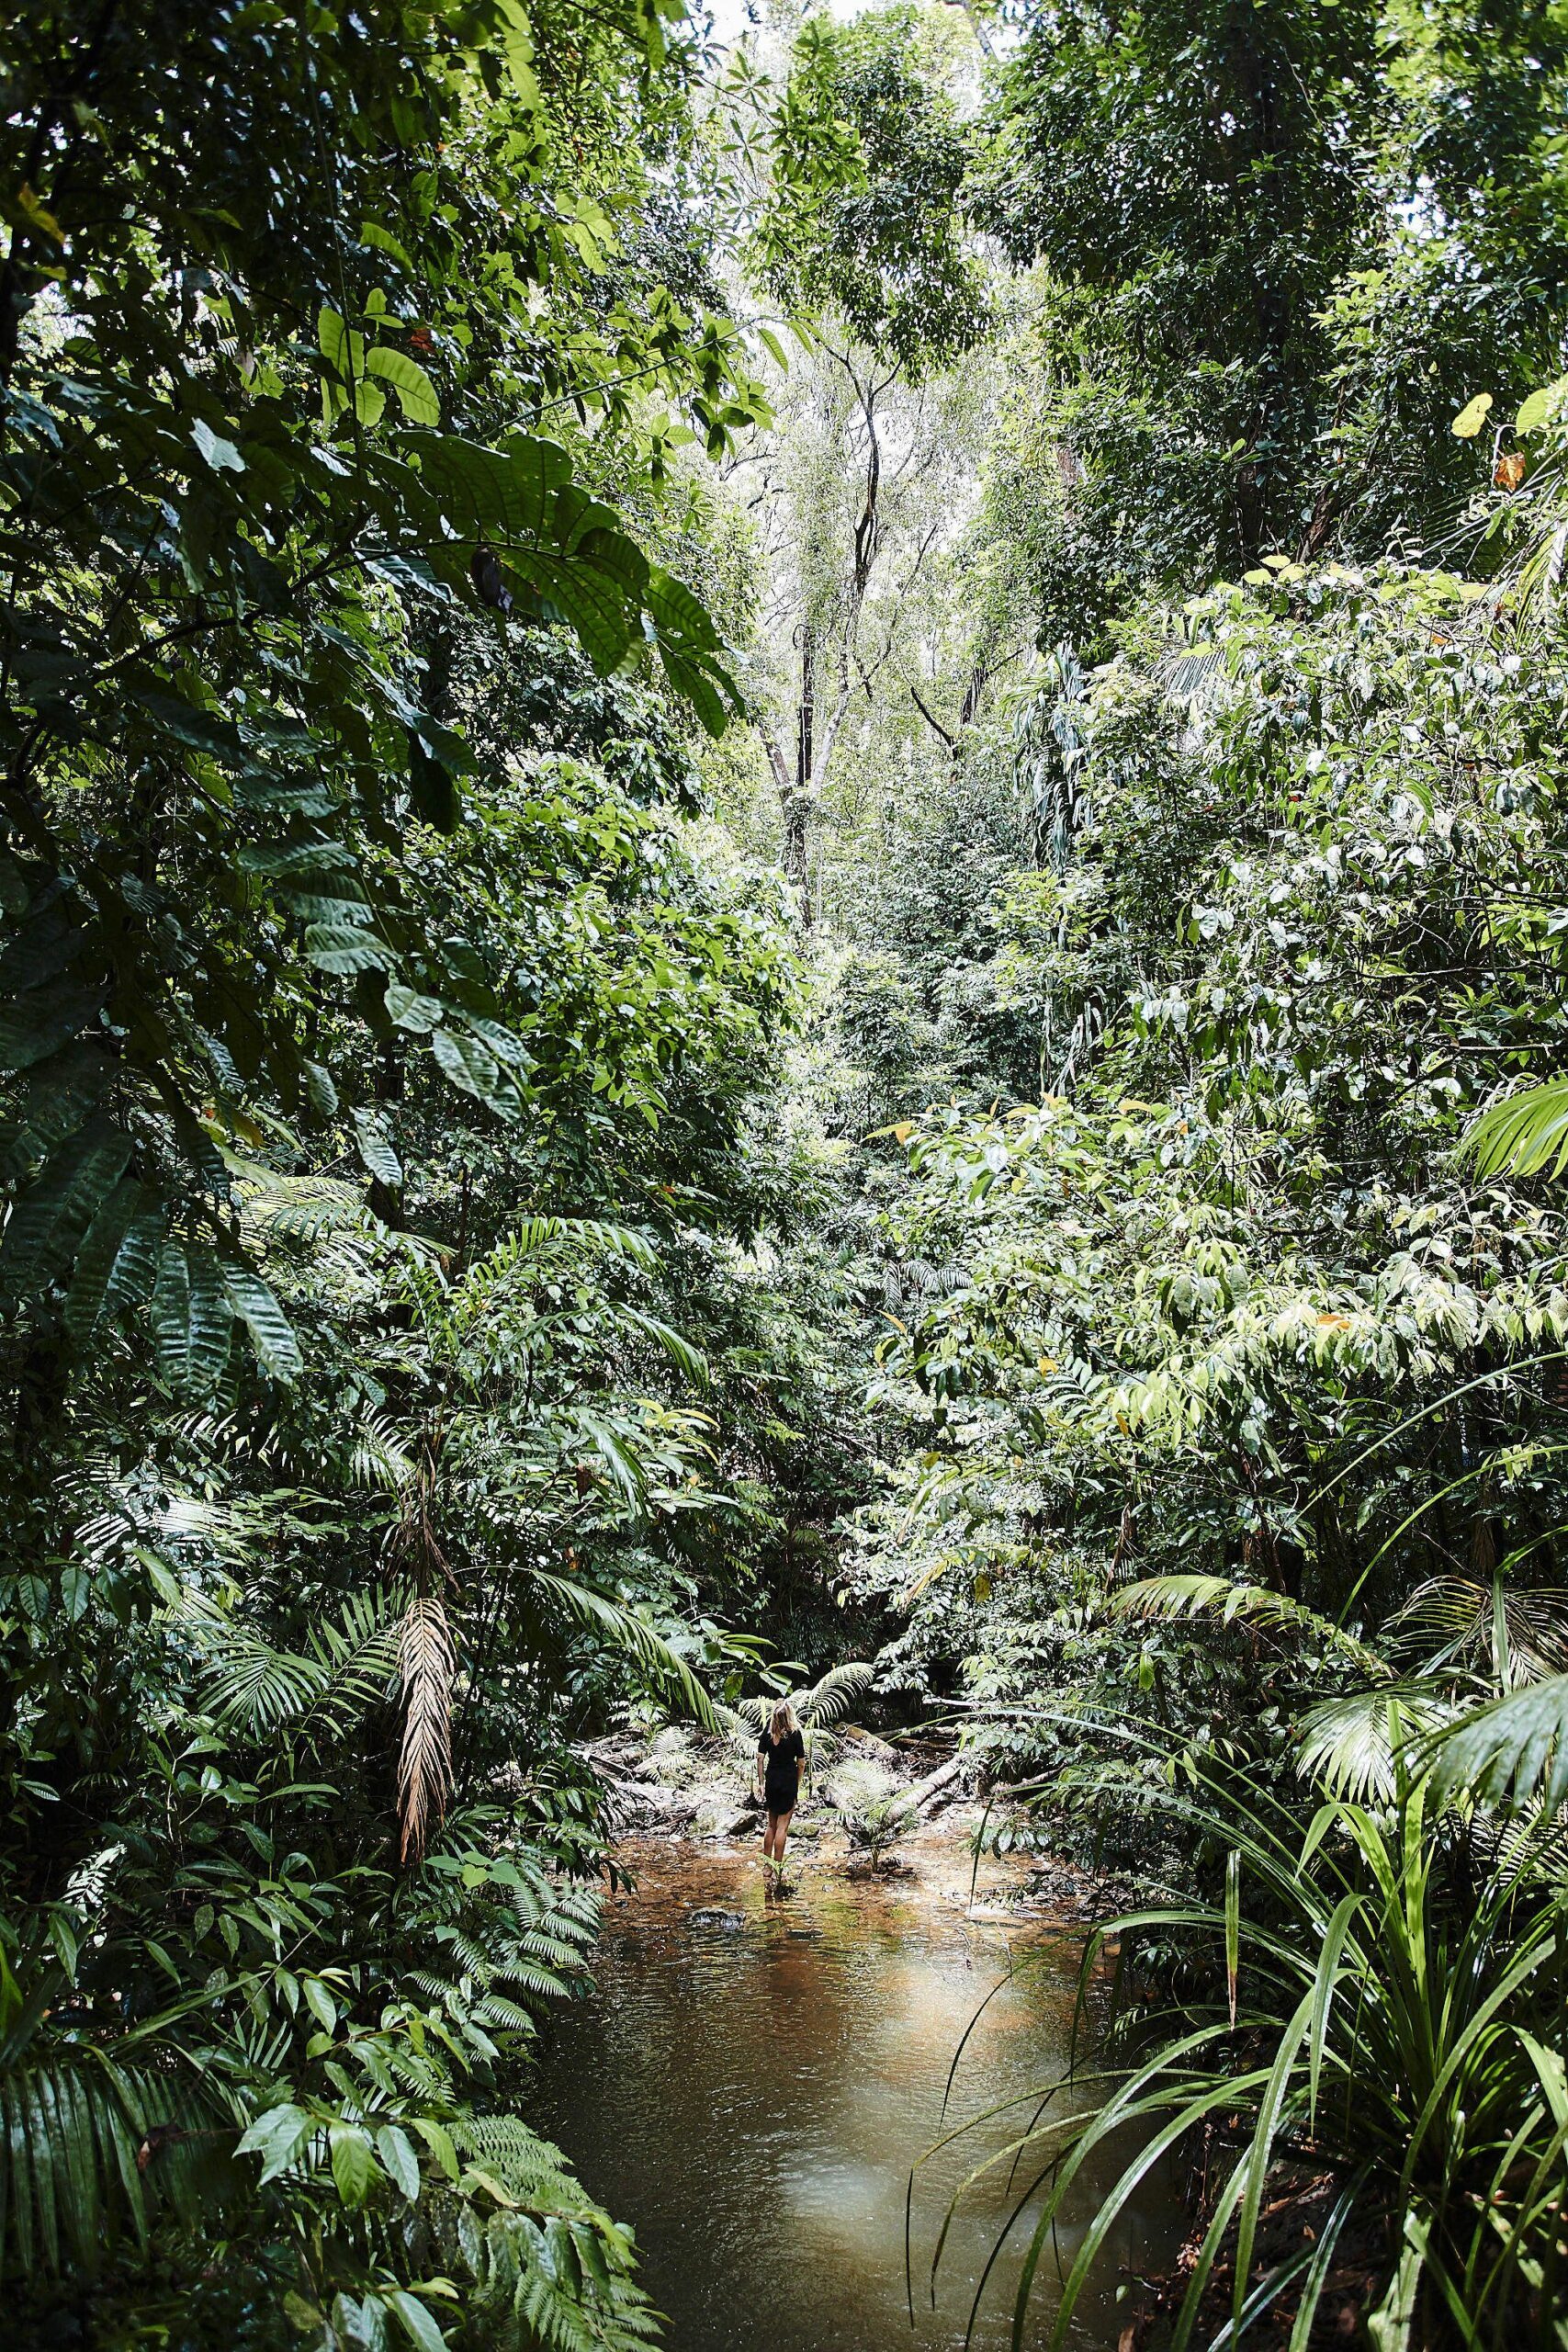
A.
pixel 751 2098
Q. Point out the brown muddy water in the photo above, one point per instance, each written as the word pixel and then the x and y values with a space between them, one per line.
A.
pixel 751 2099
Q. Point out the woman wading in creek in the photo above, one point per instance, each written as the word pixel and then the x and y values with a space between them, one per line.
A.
pixel 780 1760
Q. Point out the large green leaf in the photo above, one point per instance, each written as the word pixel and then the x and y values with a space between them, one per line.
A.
pixel 498 495
pixel 1512 1751
pixel 125 1212
pixel 416 394
pixel 192 1318
pixel 48 1221
pixel 271 1335
pixel 678 614
pixel 597 606
pixel 471 1064
pixel 38 1021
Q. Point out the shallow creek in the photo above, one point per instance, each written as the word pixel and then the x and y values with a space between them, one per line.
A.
pixel 752 2096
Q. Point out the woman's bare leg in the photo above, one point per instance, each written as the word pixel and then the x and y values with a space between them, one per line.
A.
pixel 780 1831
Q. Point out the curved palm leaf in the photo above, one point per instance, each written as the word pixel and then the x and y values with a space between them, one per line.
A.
pixel 1524 1135
pixel 1512 1752
pixel 680 1350
pixel 536 1247
pixel 1174 1598
pixel 830 1700
pixel 345 1668
pixel 1352 1744
pixel 94 2136
pixel 1519 1633
pixel 90 2147
pixel 251 1684
pixel 818 1705
pixel 634 1637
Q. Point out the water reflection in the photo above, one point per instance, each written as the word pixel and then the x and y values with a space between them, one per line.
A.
pixel 751 2099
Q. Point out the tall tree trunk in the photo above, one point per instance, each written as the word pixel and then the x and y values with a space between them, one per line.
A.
pixel 814 738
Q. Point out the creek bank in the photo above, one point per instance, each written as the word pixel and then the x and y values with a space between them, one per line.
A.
pixel 1296 2206
pixel 694 1788
pixel 699 1786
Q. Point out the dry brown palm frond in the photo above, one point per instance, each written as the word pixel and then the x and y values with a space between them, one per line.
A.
pixel 412 1542
pixel 427 1660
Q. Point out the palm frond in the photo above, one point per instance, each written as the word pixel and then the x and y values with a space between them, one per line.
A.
pixel 1523 1135
pixel 300 1209
pixel 680 1350
pixel 1519 1632
pixel 534 1249
pixel 345 1668
pixel 427 1660
pixel 379 1456
pixel 1173 1598
pixel 1352 1744
pixel 634 1637
pixel 361 1651
pixel 1512 1753
pixel 830 1700
pixel 251 1684
pixel 91 2145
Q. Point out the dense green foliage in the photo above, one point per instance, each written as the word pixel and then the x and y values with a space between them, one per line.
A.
pixel 375 1048
pixel 780 872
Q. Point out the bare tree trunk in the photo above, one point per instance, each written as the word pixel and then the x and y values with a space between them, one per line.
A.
pixel 799 793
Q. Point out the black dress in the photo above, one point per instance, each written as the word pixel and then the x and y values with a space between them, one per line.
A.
pixel 781 1780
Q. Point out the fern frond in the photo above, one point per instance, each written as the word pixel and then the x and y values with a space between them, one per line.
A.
pixel 502 2015
pixel 818 1705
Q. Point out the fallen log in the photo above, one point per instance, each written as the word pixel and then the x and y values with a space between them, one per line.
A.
pixel 940 1787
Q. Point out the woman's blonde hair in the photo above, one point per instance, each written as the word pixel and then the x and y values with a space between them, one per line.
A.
pixel 785 1720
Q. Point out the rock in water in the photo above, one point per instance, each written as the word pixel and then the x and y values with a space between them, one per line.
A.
pixel 729 1923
